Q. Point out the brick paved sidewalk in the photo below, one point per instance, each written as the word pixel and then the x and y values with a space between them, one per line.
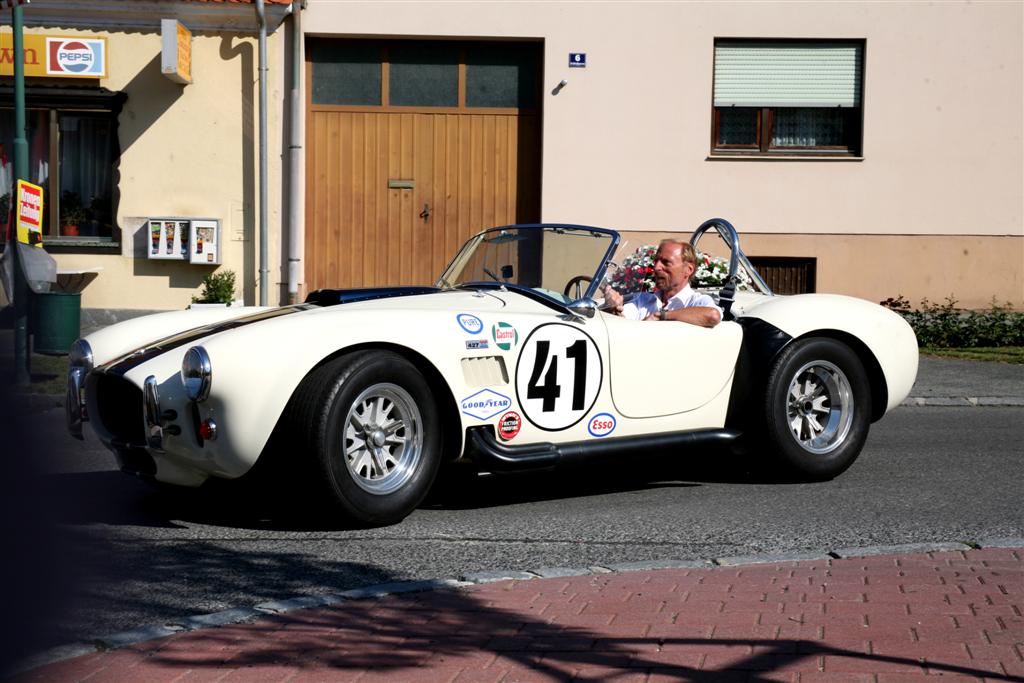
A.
pixel 939 617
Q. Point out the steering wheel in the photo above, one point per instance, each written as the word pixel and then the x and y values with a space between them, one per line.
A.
pixel 577 282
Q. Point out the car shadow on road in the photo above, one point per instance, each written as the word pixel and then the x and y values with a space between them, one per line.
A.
pixel 114 498
pixel 465 488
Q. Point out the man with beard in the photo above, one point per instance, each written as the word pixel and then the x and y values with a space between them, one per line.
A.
pixel 674 299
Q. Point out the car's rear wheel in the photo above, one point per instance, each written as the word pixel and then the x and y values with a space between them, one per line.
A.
pixel 818 408
pixel 371 432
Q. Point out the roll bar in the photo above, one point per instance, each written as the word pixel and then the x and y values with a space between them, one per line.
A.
pixel 737 258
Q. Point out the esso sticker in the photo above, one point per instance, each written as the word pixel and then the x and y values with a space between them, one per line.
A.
pixel 601 424
pixel 509 425
pixel 558 376
pixel 470 323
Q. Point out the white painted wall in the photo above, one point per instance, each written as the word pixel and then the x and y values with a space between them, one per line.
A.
pixel 626 143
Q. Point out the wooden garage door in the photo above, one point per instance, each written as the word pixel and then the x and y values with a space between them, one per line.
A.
pixel 393 189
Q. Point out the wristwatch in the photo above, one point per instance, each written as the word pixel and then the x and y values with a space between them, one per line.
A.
pixel 661 314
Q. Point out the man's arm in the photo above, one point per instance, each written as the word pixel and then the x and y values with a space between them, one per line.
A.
pixel 705 316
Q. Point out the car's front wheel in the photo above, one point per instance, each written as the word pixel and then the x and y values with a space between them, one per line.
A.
pixel 371 431
pixel 818 408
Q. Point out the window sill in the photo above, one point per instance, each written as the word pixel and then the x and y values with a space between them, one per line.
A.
pixel 63 245
pixel 781 157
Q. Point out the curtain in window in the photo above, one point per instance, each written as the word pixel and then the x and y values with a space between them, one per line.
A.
pixel 86 163
pixel 808 128
pixel 38 135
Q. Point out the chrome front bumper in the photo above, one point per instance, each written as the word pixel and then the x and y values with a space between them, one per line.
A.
pixel 74 402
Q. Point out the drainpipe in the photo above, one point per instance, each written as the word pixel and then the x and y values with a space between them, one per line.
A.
pixel 296 230
pixel 264 251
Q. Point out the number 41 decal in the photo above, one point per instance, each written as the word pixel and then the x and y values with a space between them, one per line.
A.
pixel 558 376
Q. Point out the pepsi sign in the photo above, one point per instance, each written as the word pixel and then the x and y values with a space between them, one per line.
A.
pixel 76 57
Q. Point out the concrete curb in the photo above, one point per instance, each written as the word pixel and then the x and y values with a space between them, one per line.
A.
pixel 963 401
pixel 278 607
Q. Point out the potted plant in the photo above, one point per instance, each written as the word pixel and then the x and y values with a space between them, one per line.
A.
pixel 70 219
pixel 218 290
pixel 72 214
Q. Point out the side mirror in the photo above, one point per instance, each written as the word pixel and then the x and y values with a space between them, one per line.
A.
pixel 585 308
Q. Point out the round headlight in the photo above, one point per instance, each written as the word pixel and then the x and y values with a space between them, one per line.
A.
pixel 80 355
pixel 196 373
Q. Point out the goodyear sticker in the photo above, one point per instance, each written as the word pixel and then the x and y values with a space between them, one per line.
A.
pixel 483 405
pixel 509 425
pixel 470 323
pixel 505 336
pixel 601 424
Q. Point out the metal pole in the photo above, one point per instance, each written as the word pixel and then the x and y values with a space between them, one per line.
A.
pixel 22 359
pixel 295 176
pixel 264 247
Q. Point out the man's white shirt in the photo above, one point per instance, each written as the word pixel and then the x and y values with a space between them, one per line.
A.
pixel 646 303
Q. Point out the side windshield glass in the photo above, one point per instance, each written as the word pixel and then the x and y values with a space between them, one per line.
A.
pixel 547 260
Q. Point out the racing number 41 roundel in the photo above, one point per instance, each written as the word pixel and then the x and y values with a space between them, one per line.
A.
pixel 558 376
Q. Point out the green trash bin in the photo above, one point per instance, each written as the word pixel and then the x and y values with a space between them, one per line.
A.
pixel 56 321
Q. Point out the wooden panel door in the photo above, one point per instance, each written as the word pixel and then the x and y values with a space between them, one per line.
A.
pixel 468 171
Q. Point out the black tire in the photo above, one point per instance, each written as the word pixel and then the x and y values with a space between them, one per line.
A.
pixel 817 378
pixel 374 468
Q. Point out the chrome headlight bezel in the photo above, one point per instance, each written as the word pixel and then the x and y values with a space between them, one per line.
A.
pixel 80 356
pixel 196 374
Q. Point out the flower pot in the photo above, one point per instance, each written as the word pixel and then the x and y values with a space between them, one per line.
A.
pixel 70 230
pixel 237 303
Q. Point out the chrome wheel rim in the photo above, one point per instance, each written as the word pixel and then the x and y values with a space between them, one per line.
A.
pixel 383 438
pixel 819 407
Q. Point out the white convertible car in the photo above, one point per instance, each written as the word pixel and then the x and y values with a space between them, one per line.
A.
pixel 507 362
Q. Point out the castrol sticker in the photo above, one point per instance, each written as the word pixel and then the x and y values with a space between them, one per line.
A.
pixel 505 336
pixel 601 424
pixel 509 424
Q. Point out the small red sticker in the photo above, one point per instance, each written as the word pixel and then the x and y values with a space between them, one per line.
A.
pixel 509 424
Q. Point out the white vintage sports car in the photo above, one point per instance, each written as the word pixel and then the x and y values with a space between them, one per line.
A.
pixel 508 362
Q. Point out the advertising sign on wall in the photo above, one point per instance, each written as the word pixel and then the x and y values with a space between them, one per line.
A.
pixel 56 56
pixel 175 51
pixel 30 214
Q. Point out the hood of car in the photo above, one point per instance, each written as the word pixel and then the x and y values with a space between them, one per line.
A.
pixel 461 304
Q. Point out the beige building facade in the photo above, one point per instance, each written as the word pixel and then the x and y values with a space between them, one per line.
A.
pixel 182 150
pixel 929 202
pixel 907 178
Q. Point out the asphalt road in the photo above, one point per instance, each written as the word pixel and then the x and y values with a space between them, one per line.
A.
pixel 93 551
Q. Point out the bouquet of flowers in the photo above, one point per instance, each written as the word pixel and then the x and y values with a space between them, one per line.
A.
pixel 636 273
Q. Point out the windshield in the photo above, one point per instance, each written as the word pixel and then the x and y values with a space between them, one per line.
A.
pixel 560 262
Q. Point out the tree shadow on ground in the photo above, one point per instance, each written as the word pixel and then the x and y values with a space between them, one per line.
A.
pixel 518 631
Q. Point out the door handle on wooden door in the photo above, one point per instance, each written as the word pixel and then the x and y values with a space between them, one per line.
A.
pixel 425 213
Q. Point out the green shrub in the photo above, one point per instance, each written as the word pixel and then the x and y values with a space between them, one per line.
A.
pixel 218 288
pixel 946 326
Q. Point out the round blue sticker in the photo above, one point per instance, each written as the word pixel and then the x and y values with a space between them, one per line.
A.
pixel 601 424
pixel 470 323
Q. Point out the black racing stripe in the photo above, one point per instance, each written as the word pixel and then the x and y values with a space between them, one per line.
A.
pixel 135 358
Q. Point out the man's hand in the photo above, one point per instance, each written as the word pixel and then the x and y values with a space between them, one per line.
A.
pixel 612 300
